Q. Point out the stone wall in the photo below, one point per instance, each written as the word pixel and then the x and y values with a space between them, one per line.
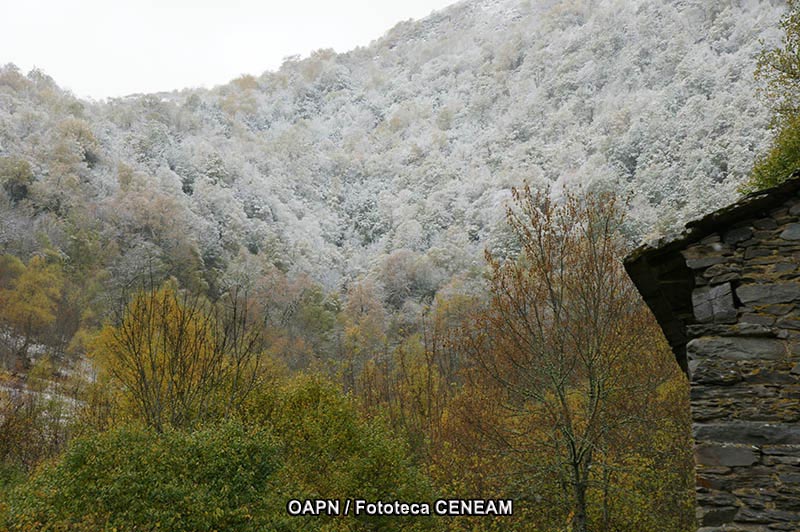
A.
pixel 743 349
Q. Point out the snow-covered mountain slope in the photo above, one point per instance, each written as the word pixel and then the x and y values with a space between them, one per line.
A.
pixel 405 150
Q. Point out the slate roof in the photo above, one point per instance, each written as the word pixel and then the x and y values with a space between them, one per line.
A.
pixel 660 273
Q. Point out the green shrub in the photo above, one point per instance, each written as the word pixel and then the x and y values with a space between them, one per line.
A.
pixel 783 158
pixel 228 477
pixel 330 451
pixel 218 478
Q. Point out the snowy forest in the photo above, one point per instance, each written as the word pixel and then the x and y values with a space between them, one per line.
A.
pixel 307 283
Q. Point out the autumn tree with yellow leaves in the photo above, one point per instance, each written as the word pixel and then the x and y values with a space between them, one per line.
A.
pixel 29 295
pixel 565 358
pixel 177 358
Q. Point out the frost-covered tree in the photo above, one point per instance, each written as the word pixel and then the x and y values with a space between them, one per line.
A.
pixel 332 163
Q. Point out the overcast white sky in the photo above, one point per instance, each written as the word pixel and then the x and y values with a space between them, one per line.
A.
pixel 102 48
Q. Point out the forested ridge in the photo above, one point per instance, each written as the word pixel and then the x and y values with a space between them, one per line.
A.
pixel 401 262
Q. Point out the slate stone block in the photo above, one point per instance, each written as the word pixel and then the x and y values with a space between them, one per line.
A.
pixel 765 223
pixel 715 516
pixel 752 252
pixel 736 348
pixel 789 322
pixel 779 309
pixel 725 277
pixel 758 319
pixel 792 232
pixel 704 262
pixel 737 235
pixel 767 293
pixel 705 375
pixel 726 455
pixel 714 303
pixel 748 515
pixel 748 432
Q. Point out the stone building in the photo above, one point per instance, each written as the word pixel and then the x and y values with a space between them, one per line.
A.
pixel 726 293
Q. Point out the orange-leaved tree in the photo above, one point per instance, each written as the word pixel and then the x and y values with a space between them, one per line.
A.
pixel 562 347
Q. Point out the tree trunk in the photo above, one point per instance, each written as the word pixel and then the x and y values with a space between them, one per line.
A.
pixel 579 520
pixel 580 483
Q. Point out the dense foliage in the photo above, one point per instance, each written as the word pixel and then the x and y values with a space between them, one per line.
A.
pixel 305 440
pixel 219 478
pixel 180 359
pixel 332 452
pixel 568 374
pixel 212 301
pixel 335 162
pixel 779 68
